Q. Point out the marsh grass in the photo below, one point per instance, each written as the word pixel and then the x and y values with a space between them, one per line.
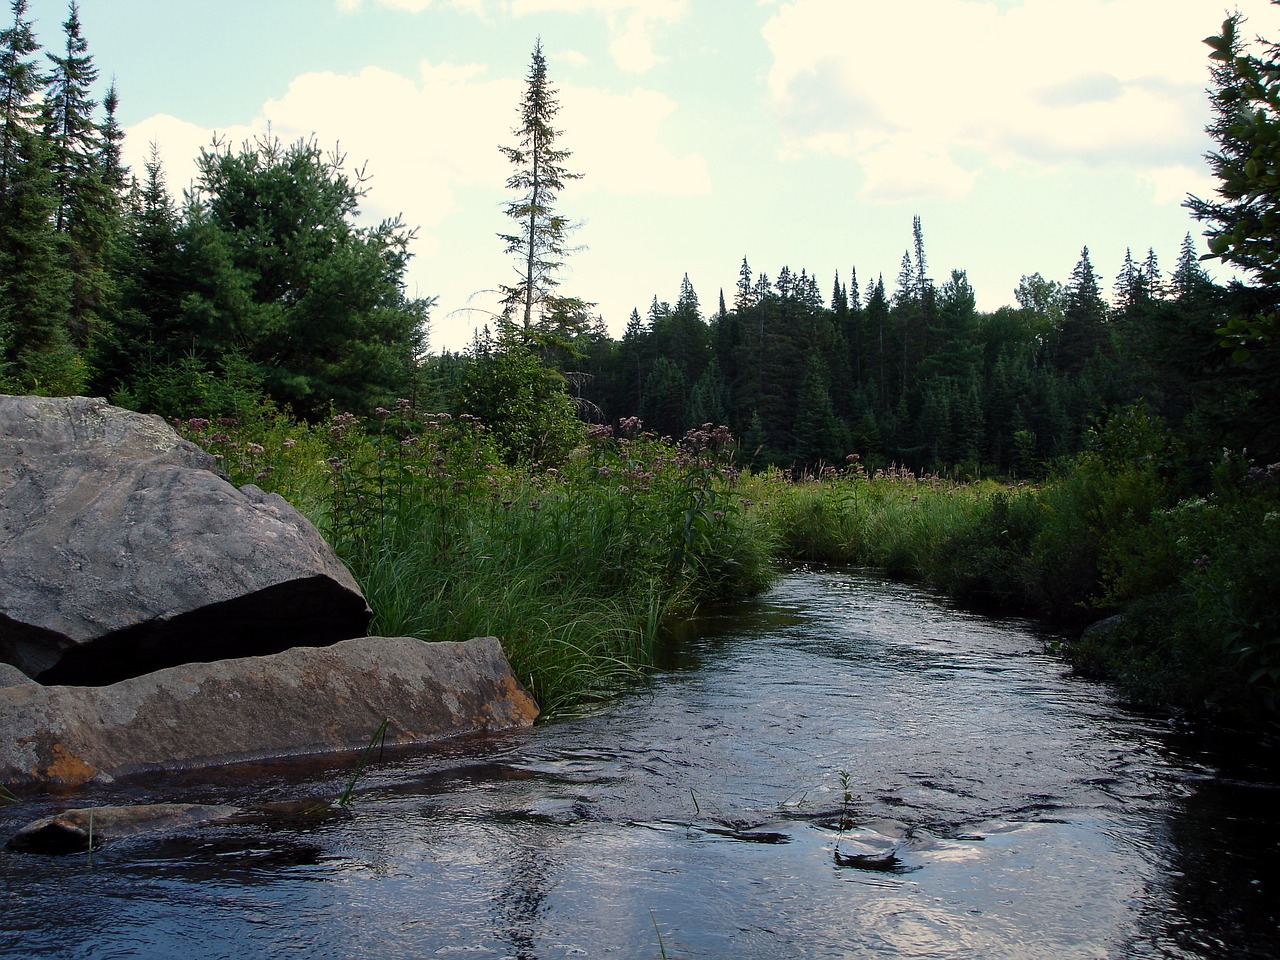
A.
pixel 576 568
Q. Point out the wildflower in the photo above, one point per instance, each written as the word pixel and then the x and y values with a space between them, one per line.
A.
pixel 289 443
pixel 254 448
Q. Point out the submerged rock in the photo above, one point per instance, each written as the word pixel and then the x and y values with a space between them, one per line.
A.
pixel 77 831
pixel 303 701
pixel 124 550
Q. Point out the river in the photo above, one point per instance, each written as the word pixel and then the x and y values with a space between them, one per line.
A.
pixel 844 767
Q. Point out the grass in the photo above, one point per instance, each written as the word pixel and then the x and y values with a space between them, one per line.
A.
pixel 577 567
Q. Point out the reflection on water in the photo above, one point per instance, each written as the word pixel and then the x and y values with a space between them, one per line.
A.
pixel 995 807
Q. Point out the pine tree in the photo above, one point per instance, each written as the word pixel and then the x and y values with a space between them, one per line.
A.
pixel 35 354
pixel 87 205
pixel 1083 331
pixel 280 273
pixel 540 242
pixel 1189 277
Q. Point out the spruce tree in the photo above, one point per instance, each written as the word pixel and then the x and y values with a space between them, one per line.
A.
pixel 539 243
pixel 1083 331
pixel 20 82
pixel 1189 277
pixel 35 354
pixel 87 204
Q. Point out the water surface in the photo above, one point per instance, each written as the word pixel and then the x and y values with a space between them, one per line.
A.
pixel 843 768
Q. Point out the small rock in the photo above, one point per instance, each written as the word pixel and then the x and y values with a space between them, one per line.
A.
pixel 77 831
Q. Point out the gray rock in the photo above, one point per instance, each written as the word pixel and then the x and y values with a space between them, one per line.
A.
pixel 1104 629
pixel 76 831
pixel 11 676
pixel 123 550
pixel 302 701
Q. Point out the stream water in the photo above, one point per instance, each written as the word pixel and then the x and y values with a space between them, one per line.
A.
pixel 842 768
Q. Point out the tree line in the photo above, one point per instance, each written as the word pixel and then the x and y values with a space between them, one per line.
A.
pixel 916 374
pixel 260 283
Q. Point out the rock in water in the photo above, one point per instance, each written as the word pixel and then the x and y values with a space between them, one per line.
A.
pixel 124 550
pixel 76 831
pixel 304 700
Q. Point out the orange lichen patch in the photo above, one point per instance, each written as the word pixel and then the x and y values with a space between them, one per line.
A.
pixel 65 768
pixel 526 707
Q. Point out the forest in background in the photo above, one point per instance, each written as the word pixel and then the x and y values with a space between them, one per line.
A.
pixel 260 282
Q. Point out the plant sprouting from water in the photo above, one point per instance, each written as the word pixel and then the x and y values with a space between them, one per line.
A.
pixel 378 739
pixel 846 808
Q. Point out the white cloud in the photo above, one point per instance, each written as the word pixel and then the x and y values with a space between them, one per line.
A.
pixel 1170 185
pixel 970 85
pixel 633 24
pixel 616 138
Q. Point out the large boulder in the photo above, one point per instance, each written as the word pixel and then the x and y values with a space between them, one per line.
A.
pixel 303 701
pixel 123 550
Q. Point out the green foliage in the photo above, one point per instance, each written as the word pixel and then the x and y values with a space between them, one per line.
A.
pixel 280 274
pixel 1245 222
pixel 576 568
pixel 524 404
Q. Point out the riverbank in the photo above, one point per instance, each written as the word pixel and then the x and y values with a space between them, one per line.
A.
pixel 577 566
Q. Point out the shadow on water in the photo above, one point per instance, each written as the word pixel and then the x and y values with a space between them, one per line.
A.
pixel 842 768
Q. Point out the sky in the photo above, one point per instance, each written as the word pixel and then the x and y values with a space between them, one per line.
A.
pixel 798 133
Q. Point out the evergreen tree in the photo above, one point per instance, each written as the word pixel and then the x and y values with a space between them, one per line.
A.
pixel 35 290
pixel 1189 276
pixel 709 400
pixel 665 399
pixel 280 273
pixel 1083 331
pixel 35 353
pixel 20 82
pixel 1129 288
pixel 88 205
pixel 745 296
pixel 819 437
pixel 144 335
pixel 539 243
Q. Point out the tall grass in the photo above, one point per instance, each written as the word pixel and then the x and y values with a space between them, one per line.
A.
pixel 576 568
